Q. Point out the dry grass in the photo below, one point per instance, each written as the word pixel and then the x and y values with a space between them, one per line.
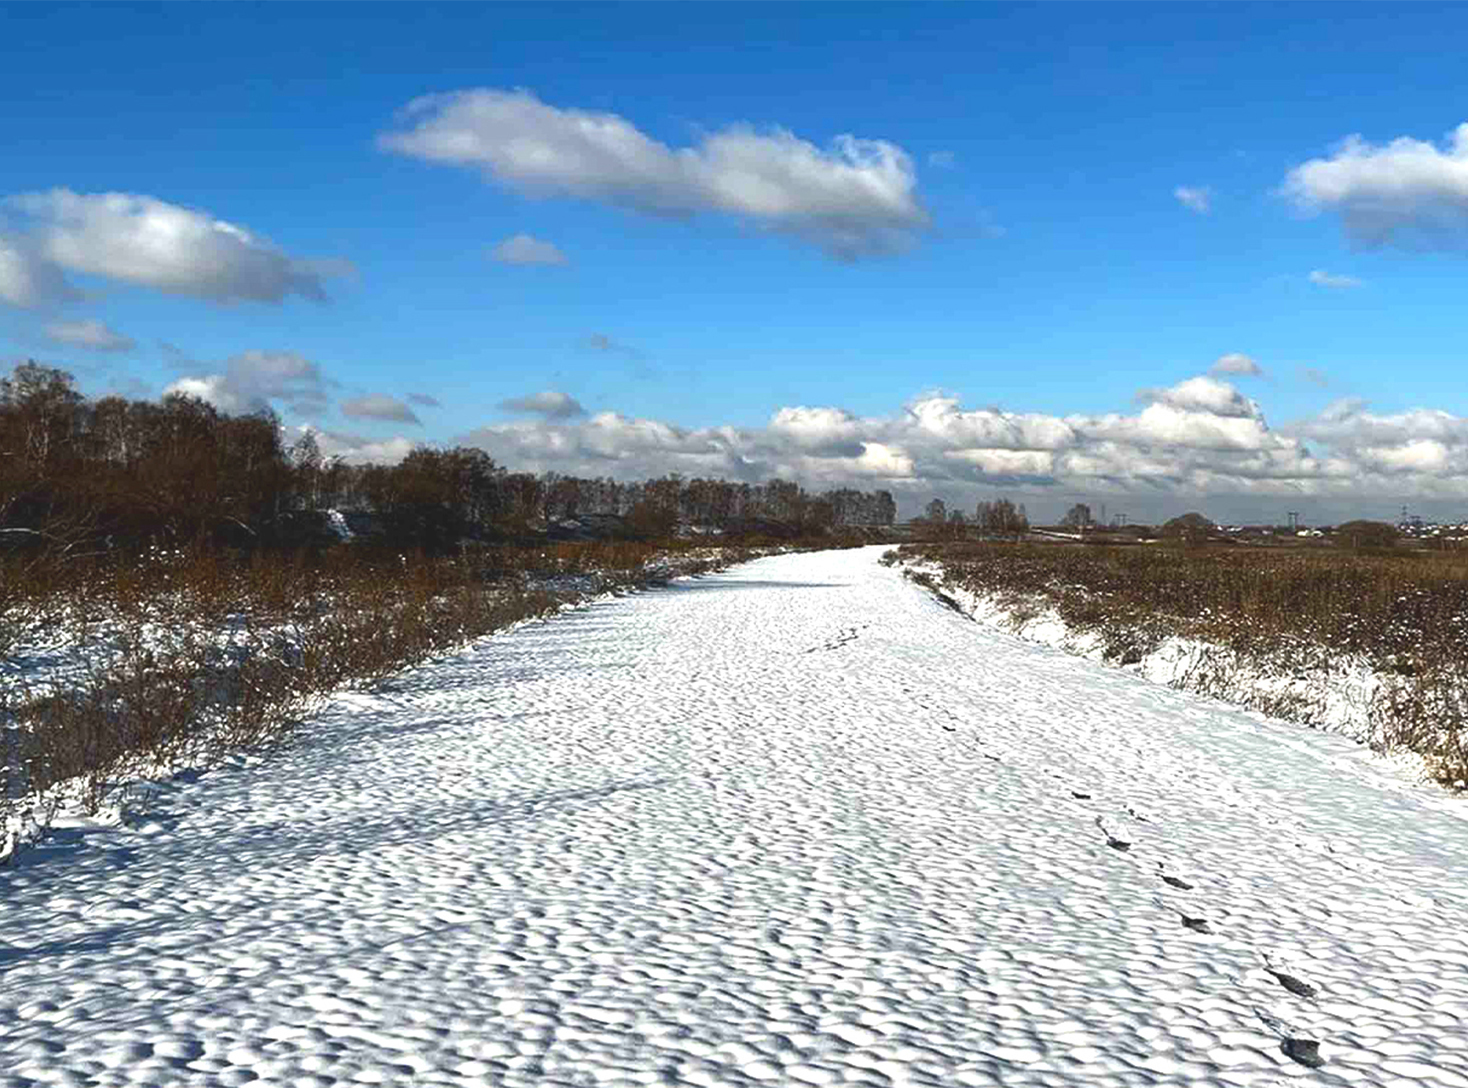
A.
pixel 1406 615
pixel 197 655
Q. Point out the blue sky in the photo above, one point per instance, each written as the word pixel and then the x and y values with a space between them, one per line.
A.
pixel 1057 219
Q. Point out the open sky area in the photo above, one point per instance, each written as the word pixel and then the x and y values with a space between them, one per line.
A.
pixel 1166 257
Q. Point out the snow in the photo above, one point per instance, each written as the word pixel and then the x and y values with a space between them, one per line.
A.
pixel 1330 691
pixel 796 823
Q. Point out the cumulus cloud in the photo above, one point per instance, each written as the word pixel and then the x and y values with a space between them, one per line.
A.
pixel 425 400
pixel 1407 192
pixel 252 380
pixel 29 281
pixel 1237 364
pixel 92 335
pixel 1321 278
pixel 1198 199
pixel 1422 452
pixel 146 242
pixel 379 406
pixel 549 404
pixel 524 249
pixel 356 449
pixel 1202 394
pixel 853 199
pixel 1197 435
pixel 1194 443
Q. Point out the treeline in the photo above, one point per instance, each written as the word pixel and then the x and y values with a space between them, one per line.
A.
pixel 78 473
pixel 998 517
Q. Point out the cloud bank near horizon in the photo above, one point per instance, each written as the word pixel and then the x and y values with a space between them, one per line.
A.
pixel 1197 439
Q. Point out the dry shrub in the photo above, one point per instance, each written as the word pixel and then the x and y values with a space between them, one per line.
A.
pixel 212 654
pixel 1279 612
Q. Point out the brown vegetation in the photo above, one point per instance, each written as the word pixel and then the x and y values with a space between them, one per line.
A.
pixel 192 558
pixel 191 655
pixel 1404 614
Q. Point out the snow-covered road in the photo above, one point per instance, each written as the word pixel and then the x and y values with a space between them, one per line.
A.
pixel 796 823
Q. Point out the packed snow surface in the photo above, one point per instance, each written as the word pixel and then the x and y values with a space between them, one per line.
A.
pixel 796 823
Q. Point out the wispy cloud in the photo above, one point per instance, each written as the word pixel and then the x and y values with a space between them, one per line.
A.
pixel 944 160
pixel 855 198
pixel 379 406
pixel 526 250
pixel 599 341
pixel 92 335
pixel 425 400
pixel 1321 278
pixel 1236 364
pixel 256 380
pixel 1407 192
pixel 1195 198
pixel 549 405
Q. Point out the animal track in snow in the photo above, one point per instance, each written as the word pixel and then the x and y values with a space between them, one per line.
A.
pixel 840 639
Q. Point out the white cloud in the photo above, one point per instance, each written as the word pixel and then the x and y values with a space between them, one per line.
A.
pixel 942 159
pixel 524 249
pixel 378 406
pixel 549 404
pixel 1322 278
pixel 853 199
pixel 146 242
pixel 92 335
pixel 252 380
pixel 1203 394
pixel 1237 364
pixel 1198 199
pixel 28 281
pixel 1196 441
pixel 355 449
pixel 1407 192
pixel 1197 433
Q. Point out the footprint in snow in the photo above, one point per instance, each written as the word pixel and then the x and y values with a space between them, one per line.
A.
pixel 1197 925
pixel 1173 881
pixel 1111 840
pixel 1295 1046
pixel 1288 981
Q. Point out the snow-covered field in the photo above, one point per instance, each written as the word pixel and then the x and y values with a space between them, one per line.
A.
pixel 796 823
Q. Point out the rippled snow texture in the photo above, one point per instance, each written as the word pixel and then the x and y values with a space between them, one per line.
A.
pixel 796 823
